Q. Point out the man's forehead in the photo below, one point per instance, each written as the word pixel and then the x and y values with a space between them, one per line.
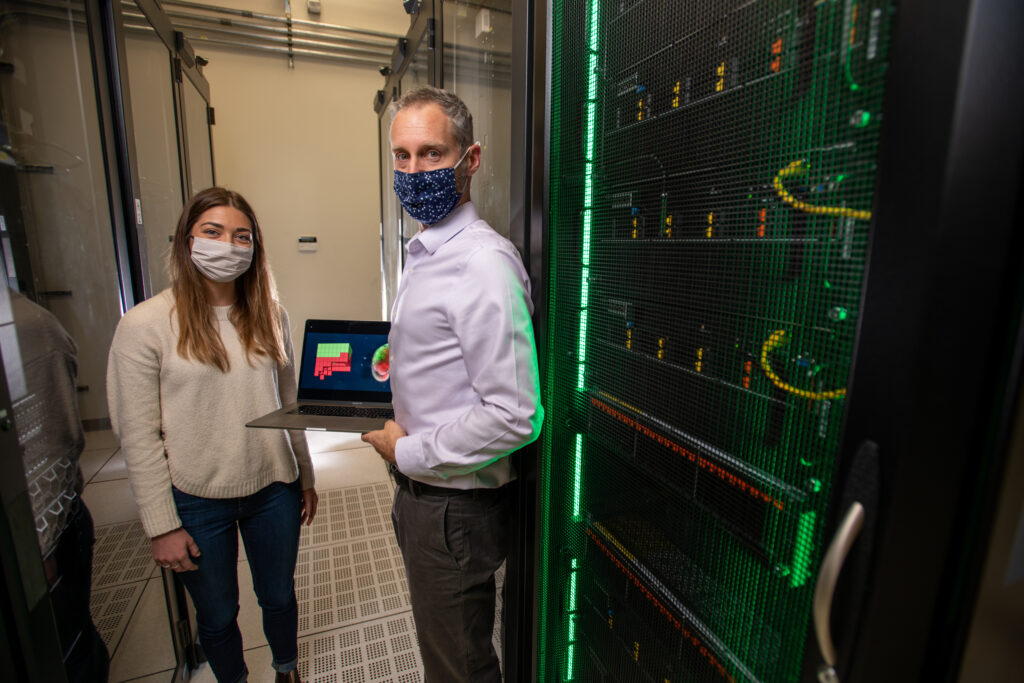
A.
pixel 427 115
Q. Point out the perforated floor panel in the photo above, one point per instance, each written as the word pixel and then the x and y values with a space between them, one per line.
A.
pixel 378 651
pixel 122 562
pixel 342 583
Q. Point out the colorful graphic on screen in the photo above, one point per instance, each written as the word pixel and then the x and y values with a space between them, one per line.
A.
pixel 331 358
pixel 347 361
pixel 381 367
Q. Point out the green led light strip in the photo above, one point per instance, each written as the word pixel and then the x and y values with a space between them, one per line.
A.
pixel 570 654
pixel 588 210
pixel 804 549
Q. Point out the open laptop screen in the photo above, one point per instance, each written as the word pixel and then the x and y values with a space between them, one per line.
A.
pixel 345 361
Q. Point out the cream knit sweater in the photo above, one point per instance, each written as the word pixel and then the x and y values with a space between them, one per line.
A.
pixel 182 423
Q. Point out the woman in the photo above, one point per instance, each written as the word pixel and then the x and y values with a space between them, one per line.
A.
pixel 187 369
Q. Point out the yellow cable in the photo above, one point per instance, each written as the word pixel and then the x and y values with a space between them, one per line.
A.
pixel 798 167
pixel 776 340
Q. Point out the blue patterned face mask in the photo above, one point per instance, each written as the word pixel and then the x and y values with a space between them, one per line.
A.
pixel 429 196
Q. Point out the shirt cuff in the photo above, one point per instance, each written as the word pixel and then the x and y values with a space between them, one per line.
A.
pixel 409 458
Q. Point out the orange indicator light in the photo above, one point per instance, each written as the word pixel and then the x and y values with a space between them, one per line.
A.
pixel 761 216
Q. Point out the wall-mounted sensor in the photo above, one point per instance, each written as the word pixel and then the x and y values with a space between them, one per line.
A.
pixel 313 6
pixel 307 242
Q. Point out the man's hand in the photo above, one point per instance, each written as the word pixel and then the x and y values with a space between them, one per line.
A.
pixel 173 549
pixel 383 440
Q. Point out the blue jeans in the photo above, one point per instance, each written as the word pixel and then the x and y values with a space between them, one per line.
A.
pixel 269 524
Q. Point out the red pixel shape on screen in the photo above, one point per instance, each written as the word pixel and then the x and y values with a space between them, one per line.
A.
pixel 331 358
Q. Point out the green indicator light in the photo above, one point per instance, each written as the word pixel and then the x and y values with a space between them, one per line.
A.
pixel 577 478
pixel 860 118
pixel 804 545
pixel 570 654
pixel 838 313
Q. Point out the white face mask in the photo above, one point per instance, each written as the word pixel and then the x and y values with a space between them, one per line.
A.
pixel 220 261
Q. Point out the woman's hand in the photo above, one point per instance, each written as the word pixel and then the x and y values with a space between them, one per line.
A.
pixel 175 550
pixel 309 503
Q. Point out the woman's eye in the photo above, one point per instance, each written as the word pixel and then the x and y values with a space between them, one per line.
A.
pixel 244 238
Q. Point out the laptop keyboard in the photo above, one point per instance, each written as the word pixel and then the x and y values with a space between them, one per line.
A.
pixel 346 411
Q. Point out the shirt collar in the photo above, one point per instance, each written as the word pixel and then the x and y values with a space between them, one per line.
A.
pixel 433 237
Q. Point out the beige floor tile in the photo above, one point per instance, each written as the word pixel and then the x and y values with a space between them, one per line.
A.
pixel 94 460
pixel 146 645
pixel 100 439
pixel 111 502
pixel 114 468
pixel 352 467
pixel 160 677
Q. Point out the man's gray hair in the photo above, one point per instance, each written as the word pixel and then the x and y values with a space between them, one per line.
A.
pixel 453 107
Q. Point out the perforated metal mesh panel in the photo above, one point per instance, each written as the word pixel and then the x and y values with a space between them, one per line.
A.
pixel 712 177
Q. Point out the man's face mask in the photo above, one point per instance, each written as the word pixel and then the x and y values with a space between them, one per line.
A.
pixel 429 196
pixel 219 261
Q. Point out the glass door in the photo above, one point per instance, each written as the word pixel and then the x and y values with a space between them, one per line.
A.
pixel 477 67
pixel 195 104
pixel 59 235
pixel 397 227
pixel 152 85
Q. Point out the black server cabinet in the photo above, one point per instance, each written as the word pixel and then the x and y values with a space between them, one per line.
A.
pixel 783 288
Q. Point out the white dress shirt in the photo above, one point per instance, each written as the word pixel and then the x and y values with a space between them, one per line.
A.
pixel 464 374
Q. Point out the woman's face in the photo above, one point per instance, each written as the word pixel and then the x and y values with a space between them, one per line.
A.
pixel 224 224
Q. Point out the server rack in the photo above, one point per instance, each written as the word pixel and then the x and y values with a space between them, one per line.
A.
pixel 726 387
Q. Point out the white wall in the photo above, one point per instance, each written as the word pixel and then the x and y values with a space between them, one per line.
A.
pixel 301 145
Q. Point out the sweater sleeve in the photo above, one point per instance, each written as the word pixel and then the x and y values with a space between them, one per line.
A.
pixel 287 389
pixel 133 395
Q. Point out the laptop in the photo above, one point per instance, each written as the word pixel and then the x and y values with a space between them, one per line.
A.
pixel 343 379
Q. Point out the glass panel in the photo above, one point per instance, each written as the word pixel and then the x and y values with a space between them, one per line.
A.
pixel 397 227
pixel 58 239
pixel 197 130
pixel 156 146
pixel 391 209
pixel 417 74
pixel 477 64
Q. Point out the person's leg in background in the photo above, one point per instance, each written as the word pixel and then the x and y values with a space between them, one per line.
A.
pixel 212 523
pixel 86 659
pixel 270 528
pixel 452 546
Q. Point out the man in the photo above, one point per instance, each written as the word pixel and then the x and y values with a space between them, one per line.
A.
pixel 51 435
pixel 465 385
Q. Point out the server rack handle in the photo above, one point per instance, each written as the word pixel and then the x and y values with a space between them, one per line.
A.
pixel 825 588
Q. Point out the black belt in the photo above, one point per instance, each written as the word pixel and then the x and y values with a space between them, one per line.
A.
pixel 419 488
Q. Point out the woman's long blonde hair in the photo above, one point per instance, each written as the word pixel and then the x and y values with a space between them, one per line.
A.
pixel 256 313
